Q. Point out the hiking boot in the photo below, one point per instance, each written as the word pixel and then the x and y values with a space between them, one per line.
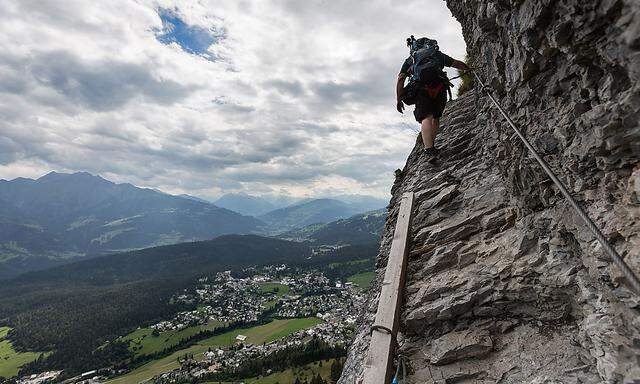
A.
pixel 431 154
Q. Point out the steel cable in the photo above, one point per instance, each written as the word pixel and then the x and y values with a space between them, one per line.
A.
pixel 617 259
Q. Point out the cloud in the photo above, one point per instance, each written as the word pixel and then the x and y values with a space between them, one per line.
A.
pixel 105 84
pixel 286 87
pixel 205 97
pixel 9 151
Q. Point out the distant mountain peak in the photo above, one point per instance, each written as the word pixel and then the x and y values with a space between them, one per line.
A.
pixel 76 176
pixel 49 176
pixel 244 203
pixel 90 216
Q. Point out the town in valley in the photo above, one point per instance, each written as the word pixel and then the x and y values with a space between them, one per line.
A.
pixel 236 320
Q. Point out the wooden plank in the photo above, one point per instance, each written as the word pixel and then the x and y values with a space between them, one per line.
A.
pixel 378 365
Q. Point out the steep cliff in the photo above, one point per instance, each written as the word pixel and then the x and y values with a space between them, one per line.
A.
pixel 504 282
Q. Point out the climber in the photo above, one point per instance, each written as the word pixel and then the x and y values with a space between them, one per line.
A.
pixel 427 88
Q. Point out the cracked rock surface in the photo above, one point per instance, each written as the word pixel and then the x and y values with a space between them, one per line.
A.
pixel 504 283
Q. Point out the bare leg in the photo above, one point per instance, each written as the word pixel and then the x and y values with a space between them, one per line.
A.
pixel 429 130
pixel 436 128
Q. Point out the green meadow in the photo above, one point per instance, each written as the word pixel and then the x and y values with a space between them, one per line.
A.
pixel 255 335
pixel 142 341
pixel 10 359
pixel 362 279
pixel 279 289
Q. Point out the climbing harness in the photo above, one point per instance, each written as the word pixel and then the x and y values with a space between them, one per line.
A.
pixel 617 259
pixel 433 91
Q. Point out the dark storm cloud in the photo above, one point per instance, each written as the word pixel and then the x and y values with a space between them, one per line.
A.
pixel 103 85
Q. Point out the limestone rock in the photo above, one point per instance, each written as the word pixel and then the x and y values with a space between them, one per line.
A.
pixel 460 345
pixel 495 249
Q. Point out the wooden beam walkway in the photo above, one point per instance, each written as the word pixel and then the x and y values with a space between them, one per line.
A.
pixel 378 367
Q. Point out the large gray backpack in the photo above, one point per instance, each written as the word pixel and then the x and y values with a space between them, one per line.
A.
pixel 427 60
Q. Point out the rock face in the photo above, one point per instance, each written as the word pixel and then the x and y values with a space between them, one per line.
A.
pixel 504 282
pixel 455 346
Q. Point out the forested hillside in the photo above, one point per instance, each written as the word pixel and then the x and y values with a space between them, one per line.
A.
pixel 307 213
pixel 365 228
pixel 73 309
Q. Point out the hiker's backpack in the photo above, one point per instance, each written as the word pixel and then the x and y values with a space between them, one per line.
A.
pixel 427 68
pixel 428 64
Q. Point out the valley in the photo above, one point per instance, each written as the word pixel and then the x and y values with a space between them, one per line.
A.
pixel 127 284
pixel 236 319
pixel 269 332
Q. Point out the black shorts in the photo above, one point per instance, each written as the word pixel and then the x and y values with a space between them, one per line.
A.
pixel 426 106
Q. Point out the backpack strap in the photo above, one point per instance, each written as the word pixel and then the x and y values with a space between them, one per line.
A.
pixel 447 84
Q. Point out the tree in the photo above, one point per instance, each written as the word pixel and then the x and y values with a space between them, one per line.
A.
pixel 336 370
pixel 467 79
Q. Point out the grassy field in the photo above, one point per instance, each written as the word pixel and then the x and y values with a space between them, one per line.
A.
pixel 255 335
pixel 142 342
pixel 280 289
pixel 10 360
pixel 263 333
pixel 213 324
pixel 362 279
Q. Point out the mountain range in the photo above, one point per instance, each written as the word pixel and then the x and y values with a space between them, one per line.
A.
pixel 61 216
pixel 260 205
pixel 307 213
pixel 247 204
pixel 364 228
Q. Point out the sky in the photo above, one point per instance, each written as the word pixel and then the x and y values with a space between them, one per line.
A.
pixel 208 97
